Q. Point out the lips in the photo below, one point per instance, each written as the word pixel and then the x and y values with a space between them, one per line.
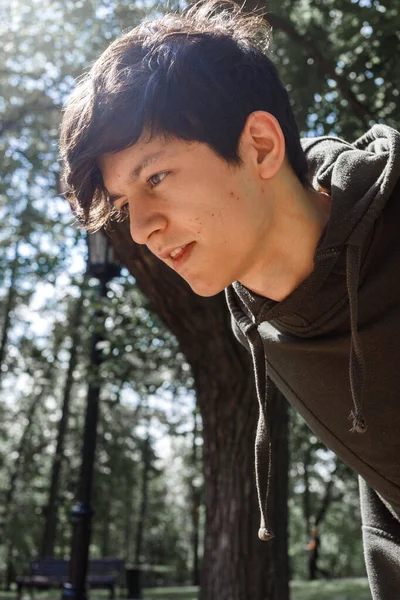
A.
pixel 175 256
pixel 181 258
pixel 166 254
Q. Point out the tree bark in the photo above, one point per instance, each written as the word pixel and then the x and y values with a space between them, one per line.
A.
pixel 236 564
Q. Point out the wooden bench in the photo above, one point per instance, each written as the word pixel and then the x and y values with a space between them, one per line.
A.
pixel 54 572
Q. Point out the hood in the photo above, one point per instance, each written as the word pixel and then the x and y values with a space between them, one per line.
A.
pixel 359 177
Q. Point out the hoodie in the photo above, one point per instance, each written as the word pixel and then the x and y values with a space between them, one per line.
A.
pixel 332 347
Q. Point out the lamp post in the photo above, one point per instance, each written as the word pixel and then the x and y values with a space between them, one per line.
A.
pixel 103 266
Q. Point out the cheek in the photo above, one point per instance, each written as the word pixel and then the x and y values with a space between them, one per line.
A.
pixel 217 214
pixel 198 222
pixel 234 213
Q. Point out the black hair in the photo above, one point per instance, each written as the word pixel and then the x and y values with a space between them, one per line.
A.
pixel 194 76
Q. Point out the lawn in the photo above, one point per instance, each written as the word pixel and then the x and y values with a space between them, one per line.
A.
pixel 337 589
pixel 187 593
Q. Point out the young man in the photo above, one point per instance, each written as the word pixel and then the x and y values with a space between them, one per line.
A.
pixel 184 125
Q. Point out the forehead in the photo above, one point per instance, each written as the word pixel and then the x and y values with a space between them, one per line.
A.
pixel 117 166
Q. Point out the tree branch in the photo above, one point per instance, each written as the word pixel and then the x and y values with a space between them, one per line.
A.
pixel 327 499
pixel 323 64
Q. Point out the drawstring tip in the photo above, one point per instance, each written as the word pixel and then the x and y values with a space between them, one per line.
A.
pixel 265 534
pixel 359 422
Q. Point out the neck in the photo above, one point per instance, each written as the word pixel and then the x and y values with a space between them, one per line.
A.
pixel 286 255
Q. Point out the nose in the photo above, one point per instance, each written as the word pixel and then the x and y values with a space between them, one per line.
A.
pixel 144 220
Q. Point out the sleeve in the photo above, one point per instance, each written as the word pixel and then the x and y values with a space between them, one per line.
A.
pixel 381 540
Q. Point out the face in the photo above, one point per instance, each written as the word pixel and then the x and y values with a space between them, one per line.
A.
pixel 182 194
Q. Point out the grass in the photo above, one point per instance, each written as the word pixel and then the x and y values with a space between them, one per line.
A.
pixel 186 593
pixel 336 589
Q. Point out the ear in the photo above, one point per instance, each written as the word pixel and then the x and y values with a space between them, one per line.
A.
pixel 263 141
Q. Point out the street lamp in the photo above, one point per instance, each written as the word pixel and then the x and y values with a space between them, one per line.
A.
pixel 102 265
pixel 102 262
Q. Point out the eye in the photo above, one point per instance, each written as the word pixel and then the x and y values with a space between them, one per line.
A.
pixel 123 210
pixel 157 178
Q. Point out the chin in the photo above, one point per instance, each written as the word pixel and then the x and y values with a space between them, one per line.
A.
pixel 206 290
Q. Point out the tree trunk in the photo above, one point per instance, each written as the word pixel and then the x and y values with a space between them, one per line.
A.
pixel 9 305
pixel 16 468
pixel 51 512
pixel 106 530
pixel 8 504
pixel 328 497
pixel 232 548
pixel 128 511
pixel 306 494
pixel 196 495
pixel 236 564
pixel 10 569
pixel 146 462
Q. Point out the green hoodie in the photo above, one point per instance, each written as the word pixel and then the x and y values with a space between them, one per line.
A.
pixel 333 346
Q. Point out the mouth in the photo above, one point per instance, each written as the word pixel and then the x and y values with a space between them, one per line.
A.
pixel 180 259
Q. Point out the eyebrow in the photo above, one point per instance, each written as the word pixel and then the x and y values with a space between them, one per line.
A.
pixel 134 174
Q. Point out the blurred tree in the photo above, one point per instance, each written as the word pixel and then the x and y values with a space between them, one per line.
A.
pixel 42 374
pixel 51 510
pixel 323 492
pixel 196 497
pixel 8 306
pixel 338 60
pixel 146 464
pixel 339 63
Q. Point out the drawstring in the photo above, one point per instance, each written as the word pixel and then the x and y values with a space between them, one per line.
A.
pixel 356 372
pixel 263 442
pixel 357 363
